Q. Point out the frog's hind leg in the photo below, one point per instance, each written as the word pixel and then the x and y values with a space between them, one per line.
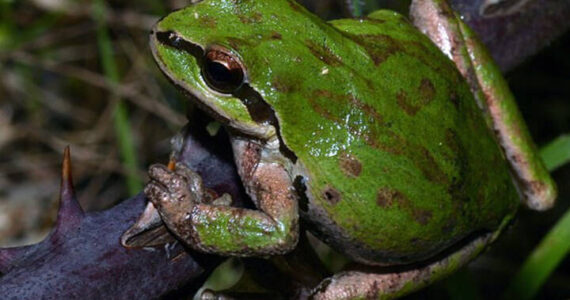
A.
pixel 370 285
pixel 455 39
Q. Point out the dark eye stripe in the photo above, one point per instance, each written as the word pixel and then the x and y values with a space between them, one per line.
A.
pixel 259 110
pixel 171 39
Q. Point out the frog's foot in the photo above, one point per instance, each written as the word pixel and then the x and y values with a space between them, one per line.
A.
pixel 167 190
pixel 208 224
pixel 368 285
pixel 174 193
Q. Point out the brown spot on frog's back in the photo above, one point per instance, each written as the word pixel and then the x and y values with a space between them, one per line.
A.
pixel 454 98
pixel 373 20
pixel 251 19
pixel 322 99
pixel 378 46
pixel 366 108
pixel 430 168
pixel 422 216
pixel 331 195
pixel 452 141
pixel 349 164
pixel 207 21
pixel 426 94
pixel 237 43
pixel 427 90
pixel 386 197
pixel 318 106
pixel 295 6
pixel 324 53
pixel 285 84
pixel 403 101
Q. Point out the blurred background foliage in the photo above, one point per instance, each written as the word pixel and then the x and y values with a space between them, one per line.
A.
pixel 80 73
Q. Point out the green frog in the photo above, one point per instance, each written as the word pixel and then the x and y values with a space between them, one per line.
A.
pixel 396 143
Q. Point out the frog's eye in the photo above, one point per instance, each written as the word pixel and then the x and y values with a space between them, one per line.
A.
pixel 222 71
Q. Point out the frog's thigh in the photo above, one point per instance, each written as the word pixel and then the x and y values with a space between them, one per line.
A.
pixel 363 285
pixel 492 93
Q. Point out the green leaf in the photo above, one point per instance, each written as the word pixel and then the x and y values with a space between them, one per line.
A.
pixel 555 246
pixel 120 116
pixel 541 262
pixel 556 153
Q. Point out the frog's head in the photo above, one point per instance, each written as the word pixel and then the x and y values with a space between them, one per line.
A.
pixel 227 54
pixel 201 49
pixel 213 75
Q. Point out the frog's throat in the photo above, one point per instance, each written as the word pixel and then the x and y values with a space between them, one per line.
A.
pixel 259 110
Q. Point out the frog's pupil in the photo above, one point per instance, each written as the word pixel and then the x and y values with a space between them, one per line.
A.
pixel 221 78
pixel 218 72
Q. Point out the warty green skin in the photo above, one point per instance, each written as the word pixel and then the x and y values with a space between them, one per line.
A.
pixel 393 160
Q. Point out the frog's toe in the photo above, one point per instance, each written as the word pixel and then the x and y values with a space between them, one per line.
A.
pixel 156 193
pixel 173 181
pixel 170 201
pixel 185 171
pixel 192 179
pixel 160 173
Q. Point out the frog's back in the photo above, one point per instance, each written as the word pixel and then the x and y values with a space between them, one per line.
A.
pixel 394 154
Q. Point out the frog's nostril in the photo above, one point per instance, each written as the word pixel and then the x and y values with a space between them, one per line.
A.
pixel 172 39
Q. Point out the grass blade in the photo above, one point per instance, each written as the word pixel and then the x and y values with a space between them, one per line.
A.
pixel 541 262
pixel 120 115
pixel 555 245
pixel 556 153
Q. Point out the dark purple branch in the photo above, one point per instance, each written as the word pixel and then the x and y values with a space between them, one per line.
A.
pixel 82 257
pixel 88 261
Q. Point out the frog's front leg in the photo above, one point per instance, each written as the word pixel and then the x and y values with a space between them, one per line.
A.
pixel 395 284
pixel 436 19
pixel 213 228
